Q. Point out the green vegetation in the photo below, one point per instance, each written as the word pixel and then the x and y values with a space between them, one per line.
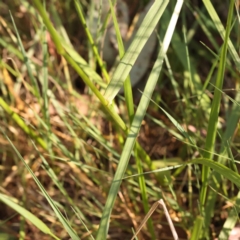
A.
pixel 78 160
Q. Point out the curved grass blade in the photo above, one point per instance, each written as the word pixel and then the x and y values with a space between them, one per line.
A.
pixel 30 132
pixel 9 201
pixel 213 120
pixel 136 124
pixel 124 67
pixel 222 32
pixel 231 125
pixel 27 62
pixel 220 168
pixel 59 215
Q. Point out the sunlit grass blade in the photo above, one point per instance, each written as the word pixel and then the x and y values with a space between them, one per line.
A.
pixel 66 43
pixel 231 125
pixel 233 217
pixel 59 215
pixel 27 62
pixel 127 84
pixel 11 202
pixel 220 168
pixel 198 223
pixel 91 40
pixel 58 43
pixel 213 120
pixel 124 67
pixel 23 125
pixel 142 185
pixel 136 124
pixel 221 30
pixel 84 65
pixel 45 109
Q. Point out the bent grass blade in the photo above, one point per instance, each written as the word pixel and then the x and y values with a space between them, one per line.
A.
pixel 136 124
pixel 131 55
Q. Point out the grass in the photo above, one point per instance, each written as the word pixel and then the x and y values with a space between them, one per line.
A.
pixel 83 162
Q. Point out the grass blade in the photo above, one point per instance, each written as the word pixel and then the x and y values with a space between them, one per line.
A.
pixel 11 202
pixel 149 23
pixel 61 218
pixel 127 84
pixel 142 184
pixel 135 127
pixel 231 220
pixel 220 168
pixel 90 39
pixel 212 126
pixel 222 32
pixel 60 48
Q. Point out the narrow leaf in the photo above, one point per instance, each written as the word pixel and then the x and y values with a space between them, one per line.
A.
pixel 124 67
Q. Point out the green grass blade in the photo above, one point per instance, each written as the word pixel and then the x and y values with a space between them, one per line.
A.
pixel 220 168
pixel 221 30
pixel 142 184
pixel 127 84
pixel 91 40
pixel 231 125
pixel 59 215
pixel 231 220
pixel 197 228
pixel 27 62
pixel 11 49
pixel 84 65
pixel 23 125
pixel 213 120
pixel 58 43
pixel 11 202
pixel 124 67
pixel 135 127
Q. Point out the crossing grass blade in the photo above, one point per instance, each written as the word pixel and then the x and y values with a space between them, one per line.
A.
pixel 127 84
pixel 135 126
pixel 59 215
pixel 11 202
pixel 213 120
pixel 142 184
pixel 231 220
pixel 124 67
pixel 61 50
pixel 30 132
pixel 231 125
pixel 222 32
pixel 27 62
pixel 91 40
pixel 220 168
